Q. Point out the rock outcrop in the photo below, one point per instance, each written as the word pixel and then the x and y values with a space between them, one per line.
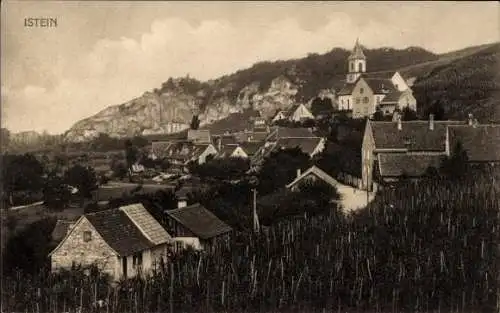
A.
pixel 170 109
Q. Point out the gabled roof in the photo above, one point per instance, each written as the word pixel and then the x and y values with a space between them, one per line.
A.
pixel 318 173
pixel 250 148
pixel 146 223
pixel 306 145
pixel 482 142
pixel 357 52
pixel 413 136
pixel 120 231
pixel 413 165
pixel 199 135
pixel 185 151
pixel 200 221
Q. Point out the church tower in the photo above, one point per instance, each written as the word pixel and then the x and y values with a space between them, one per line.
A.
pixel 356 63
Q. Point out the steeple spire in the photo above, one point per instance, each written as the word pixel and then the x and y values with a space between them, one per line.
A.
pixel 357 52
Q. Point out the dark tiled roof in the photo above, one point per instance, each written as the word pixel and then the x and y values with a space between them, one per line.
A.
pixel 226 140
pixel 346 89
pixel 235 122
pixel 159 147
pixel 392 97
pixel 413 165
pixel 307 145
pixel 199 221
pixel 482 142
pixel 250 148
pixel 381 86
pixel 199 135
pixel 414 135
pixel 227 150
pixel 185 151
pixel 291 132
pixel 379 75
pixel 119 231
pixel 318 173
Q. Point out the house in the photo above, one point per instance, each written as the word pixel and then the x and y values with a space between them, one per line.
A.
pixel 296 113
pixel 408 147
pixel 122 242
pixel 314 173
pixel 196 227
pixel 199 136
pixel 181 153
pixel 232 151
pixel 363 93
pixel 158 148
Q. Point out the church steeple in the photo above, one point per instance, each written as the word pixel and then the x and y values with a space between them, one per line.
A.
pixel 356 63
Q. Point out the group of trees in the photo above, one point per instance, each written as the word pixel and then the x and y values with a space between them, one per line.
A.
pixel 221 168
pixel 24 177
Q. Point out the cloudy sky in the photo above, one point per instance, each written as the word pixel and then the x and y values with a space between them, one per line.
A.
pixel 105 53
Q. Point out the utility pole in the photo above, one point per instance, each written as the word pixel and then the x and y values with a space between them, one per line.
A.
pixel 256 224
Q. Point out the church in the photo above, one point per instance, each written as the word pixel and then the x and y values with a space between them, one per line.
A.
pixel 363 93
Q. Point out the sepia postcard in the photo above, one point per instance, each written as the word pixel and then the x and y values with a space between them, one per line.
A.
pixel 250 156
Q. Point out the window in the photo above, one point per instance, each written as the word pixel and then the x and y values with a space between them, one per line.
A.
pixel 137 260
pixel 360 67
pixel 365 100
pixel 87 236
pixel 352 67
pixel 358 100
pixel 361 90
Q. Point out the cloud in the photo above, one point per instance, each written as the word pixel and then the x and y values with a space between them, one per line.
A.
pixel 116 70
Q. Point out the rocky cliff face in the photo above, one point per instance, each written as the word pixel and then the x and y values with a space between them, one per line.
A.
pixel 170 109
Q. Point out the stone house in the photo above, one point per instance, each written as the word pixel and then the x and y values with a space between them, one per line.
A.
pixel 122 242
pixel 196 227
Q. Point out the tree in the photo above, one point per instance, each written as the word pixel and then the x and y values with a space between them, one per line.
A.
pixel 455 166
pixel 195 122
pixel 224 169
pixel 408 114
pixel 131 155
pixel 83 178
pixel 280 168
pixel 378 115
pixel 22 173
pixel 28 249
pixel 56 194
pixel 437 109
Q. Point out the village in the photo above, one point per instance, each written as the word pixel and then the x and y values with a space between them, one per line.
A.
pixel 203 189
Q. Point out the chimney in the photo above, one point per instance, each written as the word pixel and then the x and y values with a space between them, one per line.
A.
pixel 298 172
pixel 400 125
pixel 470 120
pixel 431 121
